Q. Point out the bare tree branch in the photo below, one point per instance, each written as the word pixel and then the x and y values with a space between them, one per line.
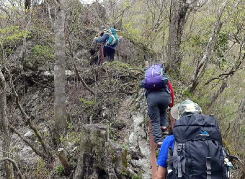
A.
pixel 218 93
pixel 221 77
pixel 34 148
pixel 201 67
pixel 225 79
pixel 15 166
pixel 82 80
pixel 233 70
pixel 27 117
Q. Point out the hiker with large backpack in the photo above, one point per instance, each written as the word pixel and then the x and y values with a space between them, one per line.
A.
pixel 160 96
pixel 195 149
pixel 110 41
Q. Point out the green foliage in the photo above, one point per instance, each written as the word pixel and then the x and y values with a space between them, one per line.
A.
pixel 87 103
pixel 187 93
pixel 2 17
pixel 124 158
pixel 129 175
pixel 137 177
pixel 11 34
pixel 41 171
pixel 126 4
pixel 123 66
pixel 40 55
pixel 132 32
pixel 60 170
pixel 71 137
pixel 197 40
pixel 220 49
pixel 43 51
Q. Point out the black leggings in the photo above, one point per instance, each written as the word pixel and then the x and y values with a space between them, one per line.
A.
pixel 157 104
pixel 109 53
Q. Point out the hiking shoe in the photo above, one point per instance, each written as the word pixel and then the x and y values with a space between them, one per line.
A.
pixel 159 144
pixel 164 128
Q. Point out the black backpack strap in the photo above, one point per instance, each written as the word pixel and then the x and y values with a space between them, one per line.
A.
pixel 179 165
pixel 208 166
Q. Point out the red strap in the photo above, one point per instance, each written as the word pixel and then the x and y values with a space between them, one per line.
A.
pixel 171 93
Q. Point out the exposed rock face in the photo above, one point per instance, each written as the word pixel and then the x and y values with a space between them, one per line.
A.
pixel 138 139
pixel 126 157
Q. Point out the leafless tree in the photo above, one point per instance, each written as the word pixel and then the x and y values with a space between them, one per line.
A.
pixel 4 123
pixel 59 71
pixel 156 23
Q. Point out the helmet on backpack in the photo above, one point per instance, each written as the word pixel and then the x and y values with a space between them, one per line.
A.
pixel 188 106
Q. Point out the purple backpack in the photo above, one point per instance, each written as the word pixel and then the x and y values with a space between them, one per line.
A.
pixel 155 78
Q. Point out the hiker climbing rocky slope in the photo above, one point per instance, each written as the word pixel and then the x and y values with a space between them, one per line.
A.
pixel 107 125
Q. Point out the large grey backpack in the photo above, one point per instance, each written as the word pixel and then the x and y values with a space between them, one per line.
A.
pixel 198 151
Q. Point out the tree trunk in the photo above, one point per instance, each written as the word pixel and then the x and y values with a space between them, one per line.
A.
pixel 98 163
pixel 59 71
pixel 178 11
pixel 5 127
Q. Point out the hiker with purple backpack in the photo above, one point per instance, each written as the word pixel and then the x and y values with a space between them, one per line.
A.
pixel 160 95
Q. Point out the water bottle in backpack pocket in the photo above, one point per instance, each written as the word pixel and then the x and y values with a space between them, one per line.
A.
pixel 155 78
